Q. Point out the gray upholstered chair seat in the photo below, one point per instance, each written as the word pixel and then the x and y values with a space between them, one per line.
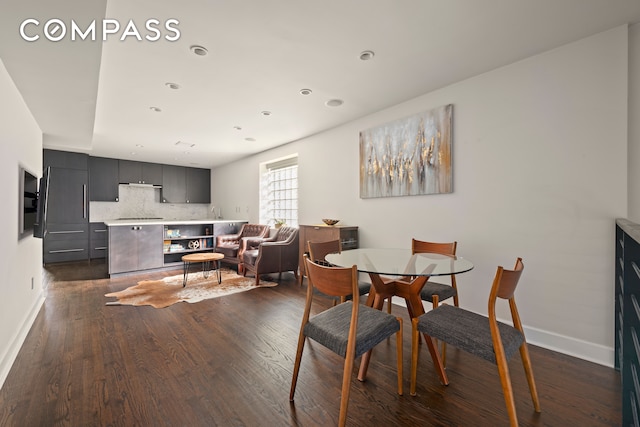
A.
pixel 468 331
pixel 331 328
pixel 363 288
pixel 442 291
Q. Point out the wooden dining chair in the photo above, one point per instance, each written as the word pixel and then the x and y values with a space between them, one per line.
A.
pixel 482 336
pixel 435 292
pixel 349 329
pixel 317 253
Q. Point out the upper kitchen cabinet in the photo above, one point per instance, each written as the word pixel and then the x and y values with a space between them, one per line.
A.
pixel 103 179
pixel 185 185
pixel 174 184
pixel 198 185
pixel 132 172
pixel 64 159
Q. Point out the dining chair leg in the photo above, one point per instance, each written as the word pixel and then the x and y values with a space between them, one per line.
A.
pixel 364 365
pixel 296 367
pixel 507 390
pixel 346 388
pixel 437 360
pixel 389 304
pixel 415 342
pixel 399 357
pixel 526 362
pixel 346 381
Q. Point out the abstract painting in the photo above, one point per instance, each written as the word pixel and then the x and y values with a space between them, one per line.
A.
pixel 408 157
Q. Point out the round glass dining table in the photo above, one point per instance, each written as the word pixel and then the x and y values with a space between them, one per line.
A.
pixel 400 262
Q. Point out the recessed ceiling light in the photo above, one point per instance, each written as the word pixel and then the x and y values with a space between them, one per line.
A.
pixel 237 128
pixel 199 50
pixel 305 91
pixel 366 55
pixel 334 102
pixel 266 113
pixel 250 139
pixel 172 85
pixel 155 109
pixel 139 146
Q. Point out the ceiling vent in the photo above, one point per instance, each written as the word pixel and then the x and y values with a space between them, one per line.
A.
pixel 183 144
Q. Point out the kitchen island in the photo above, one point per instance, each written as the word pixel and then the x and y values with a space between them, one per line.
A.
pixel 148 244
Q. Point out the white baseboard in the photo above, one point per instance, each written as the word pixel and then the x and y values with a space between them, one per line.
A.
pixel 12 352
pixel 585 350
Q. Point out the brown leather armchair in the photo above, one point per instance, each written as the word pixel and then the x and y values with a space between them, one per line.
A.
pixel 233 245
pixel 273 255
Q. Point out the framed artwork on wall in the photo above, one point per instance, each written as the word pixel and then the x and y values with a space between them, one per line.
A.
pixel 408 157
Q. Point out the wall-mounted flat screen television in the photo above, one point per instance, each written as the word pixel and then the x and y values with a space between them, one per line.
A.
pixel 28 203
pixel 40 226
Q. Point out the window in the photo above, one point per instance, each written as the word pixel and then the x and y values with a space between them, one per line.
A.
pixel 279 191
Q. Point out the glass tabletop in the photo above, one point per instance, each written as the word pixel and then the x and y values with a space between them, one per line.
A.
pixel 400 262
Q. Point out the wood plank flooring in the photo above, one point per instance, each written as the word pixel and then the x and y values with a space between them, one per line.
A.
pixel 228 362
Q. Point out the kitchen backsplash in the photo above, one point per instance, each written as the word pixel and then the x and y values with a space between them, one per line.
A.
pixel 144 202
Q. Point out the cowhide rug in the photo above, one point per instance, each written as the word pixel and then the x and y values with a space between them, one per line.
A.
pixel 167 291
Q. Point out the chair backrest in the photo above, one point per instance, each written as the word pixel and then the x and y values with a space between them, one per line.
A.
pixel 319 250
pixel 333 281
pixel 254 230
pixel 504 286
pixel 285 233
pixel 419 246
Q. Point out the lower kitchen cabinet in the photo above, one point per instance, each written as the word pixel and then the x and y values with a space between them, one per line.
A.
pixel 135 247
pixel 98 243
pixel 66 242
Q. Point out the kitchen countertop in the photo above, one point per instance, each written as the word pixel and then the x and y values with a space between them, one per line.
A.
pixel 117 222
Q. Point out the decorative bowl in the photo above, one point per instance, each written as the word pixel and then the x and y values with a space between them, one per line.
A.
pixel 330 221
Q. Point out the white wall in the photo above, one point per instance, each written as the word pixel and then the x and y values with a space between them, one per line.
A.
pixel 540 171
pixel 634 123
pixel 21 260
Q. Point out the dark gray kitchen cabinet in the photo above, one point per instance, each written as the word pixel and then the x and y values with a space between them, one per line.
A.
pixel 103 179
pixel 64 159
pixel 185 185
pixel 135 247
pixel 98 243
pixel 68 196
pixel 132 172
pixel 66 242
pixel 198 185
pixel 66 236
pixel 174 184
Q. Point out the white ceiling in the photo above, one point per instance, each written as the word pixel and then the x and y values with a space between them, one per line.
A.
pixel 95 97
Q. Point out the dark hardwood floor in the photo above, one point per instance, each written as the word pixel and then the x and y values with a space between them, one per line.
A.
pixel 228 362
